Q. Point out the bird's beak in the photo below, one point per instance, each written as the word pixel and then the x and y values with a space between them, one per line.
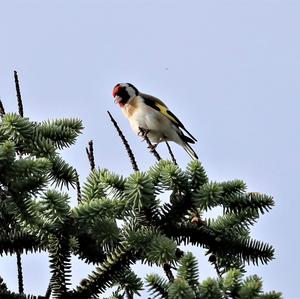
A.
pixel 117 99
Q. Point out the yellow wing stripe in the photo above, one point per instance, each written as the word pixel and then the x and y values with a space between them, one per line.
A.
pixel 164 110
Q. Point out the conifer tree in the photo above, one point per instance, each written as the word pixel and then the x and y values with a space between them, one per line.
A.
pixel 121 220
pixel 186 284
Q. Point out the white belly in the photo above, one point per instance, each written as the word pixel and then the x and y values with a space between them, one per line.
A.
pixel 160 127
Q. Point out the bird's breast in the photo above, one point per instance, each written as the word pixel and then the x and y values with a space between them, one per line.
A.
pixel 143 116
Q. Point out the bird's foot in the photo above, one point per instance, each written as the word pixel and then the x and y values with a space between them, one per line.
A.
pixel 143 132
pixel 152 147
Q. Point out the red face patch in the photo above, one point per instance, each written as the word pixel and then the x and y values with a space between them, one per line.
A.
pixel 116 90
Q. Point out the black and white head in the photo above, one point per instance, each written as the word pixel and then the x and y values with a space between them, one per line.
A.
pixel 123 92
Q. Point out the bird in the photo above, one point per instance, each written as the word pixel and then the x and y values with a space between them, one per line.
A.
pixel 149 116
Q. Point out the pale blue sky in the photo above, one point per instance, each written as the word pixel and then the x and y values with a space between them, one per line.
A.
pixel 229 69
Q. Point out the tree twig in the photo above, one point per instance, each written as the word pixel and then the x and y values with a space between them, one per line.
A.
pixel 214 262
pixel 78 187
pixel 169 274
pixel 49 290
pixel 2 110
pixel 150 145
pixel 171 153
pixel 90 154
pixel 20 103
pixel 125 142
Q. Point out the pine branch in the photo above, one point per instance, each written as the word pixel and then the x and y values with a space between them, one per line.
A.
pixel 62 173
pixel 188 233
pixel 172 212
pixel 19 128
pixel 166 175
pixel 139 191
pixel 20 273
pixel 55 208
pixel 19 98
pixel 117 261
pixel 103 183
pixel 196 175
pixel 14 240
pixel 61 132
pixel 125 142
pixel 130 283
pixel 180 289
pixel 88 211
pixel 169 176
pixel 158 286
pixel 231 223
pixel 60 264
pixel 171 153
pixel 90 154
pixel 241 247
pixel 188 269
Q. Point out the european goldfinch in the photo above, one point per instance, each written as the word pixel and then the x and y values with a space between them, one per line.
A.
pixel 149 115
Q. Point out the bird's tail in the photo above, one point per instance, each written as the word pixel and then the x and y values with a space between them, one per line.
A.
pixel 190 151
pixel 184 142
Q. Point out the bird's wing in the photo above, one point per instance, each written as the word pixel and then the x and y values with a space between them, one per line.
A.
pixel 160 106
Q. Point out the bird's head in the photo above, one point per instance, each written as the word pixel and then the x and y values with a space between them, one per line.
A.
pixel 123 92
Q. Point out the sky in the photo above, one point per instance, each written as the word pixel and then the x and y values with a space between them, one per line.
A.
pixel 229 69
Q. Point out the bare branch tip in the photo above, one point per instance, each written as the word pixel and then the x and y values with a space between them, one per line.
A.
pixel 171 153
pixel 78 187
pixel 19 98
pixel 2 110
pixel 125 142
pixel 90 154
pixel 20 273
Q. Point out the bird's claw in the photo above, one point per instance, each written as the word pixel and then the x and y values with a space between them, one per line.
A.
pixel 143 132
